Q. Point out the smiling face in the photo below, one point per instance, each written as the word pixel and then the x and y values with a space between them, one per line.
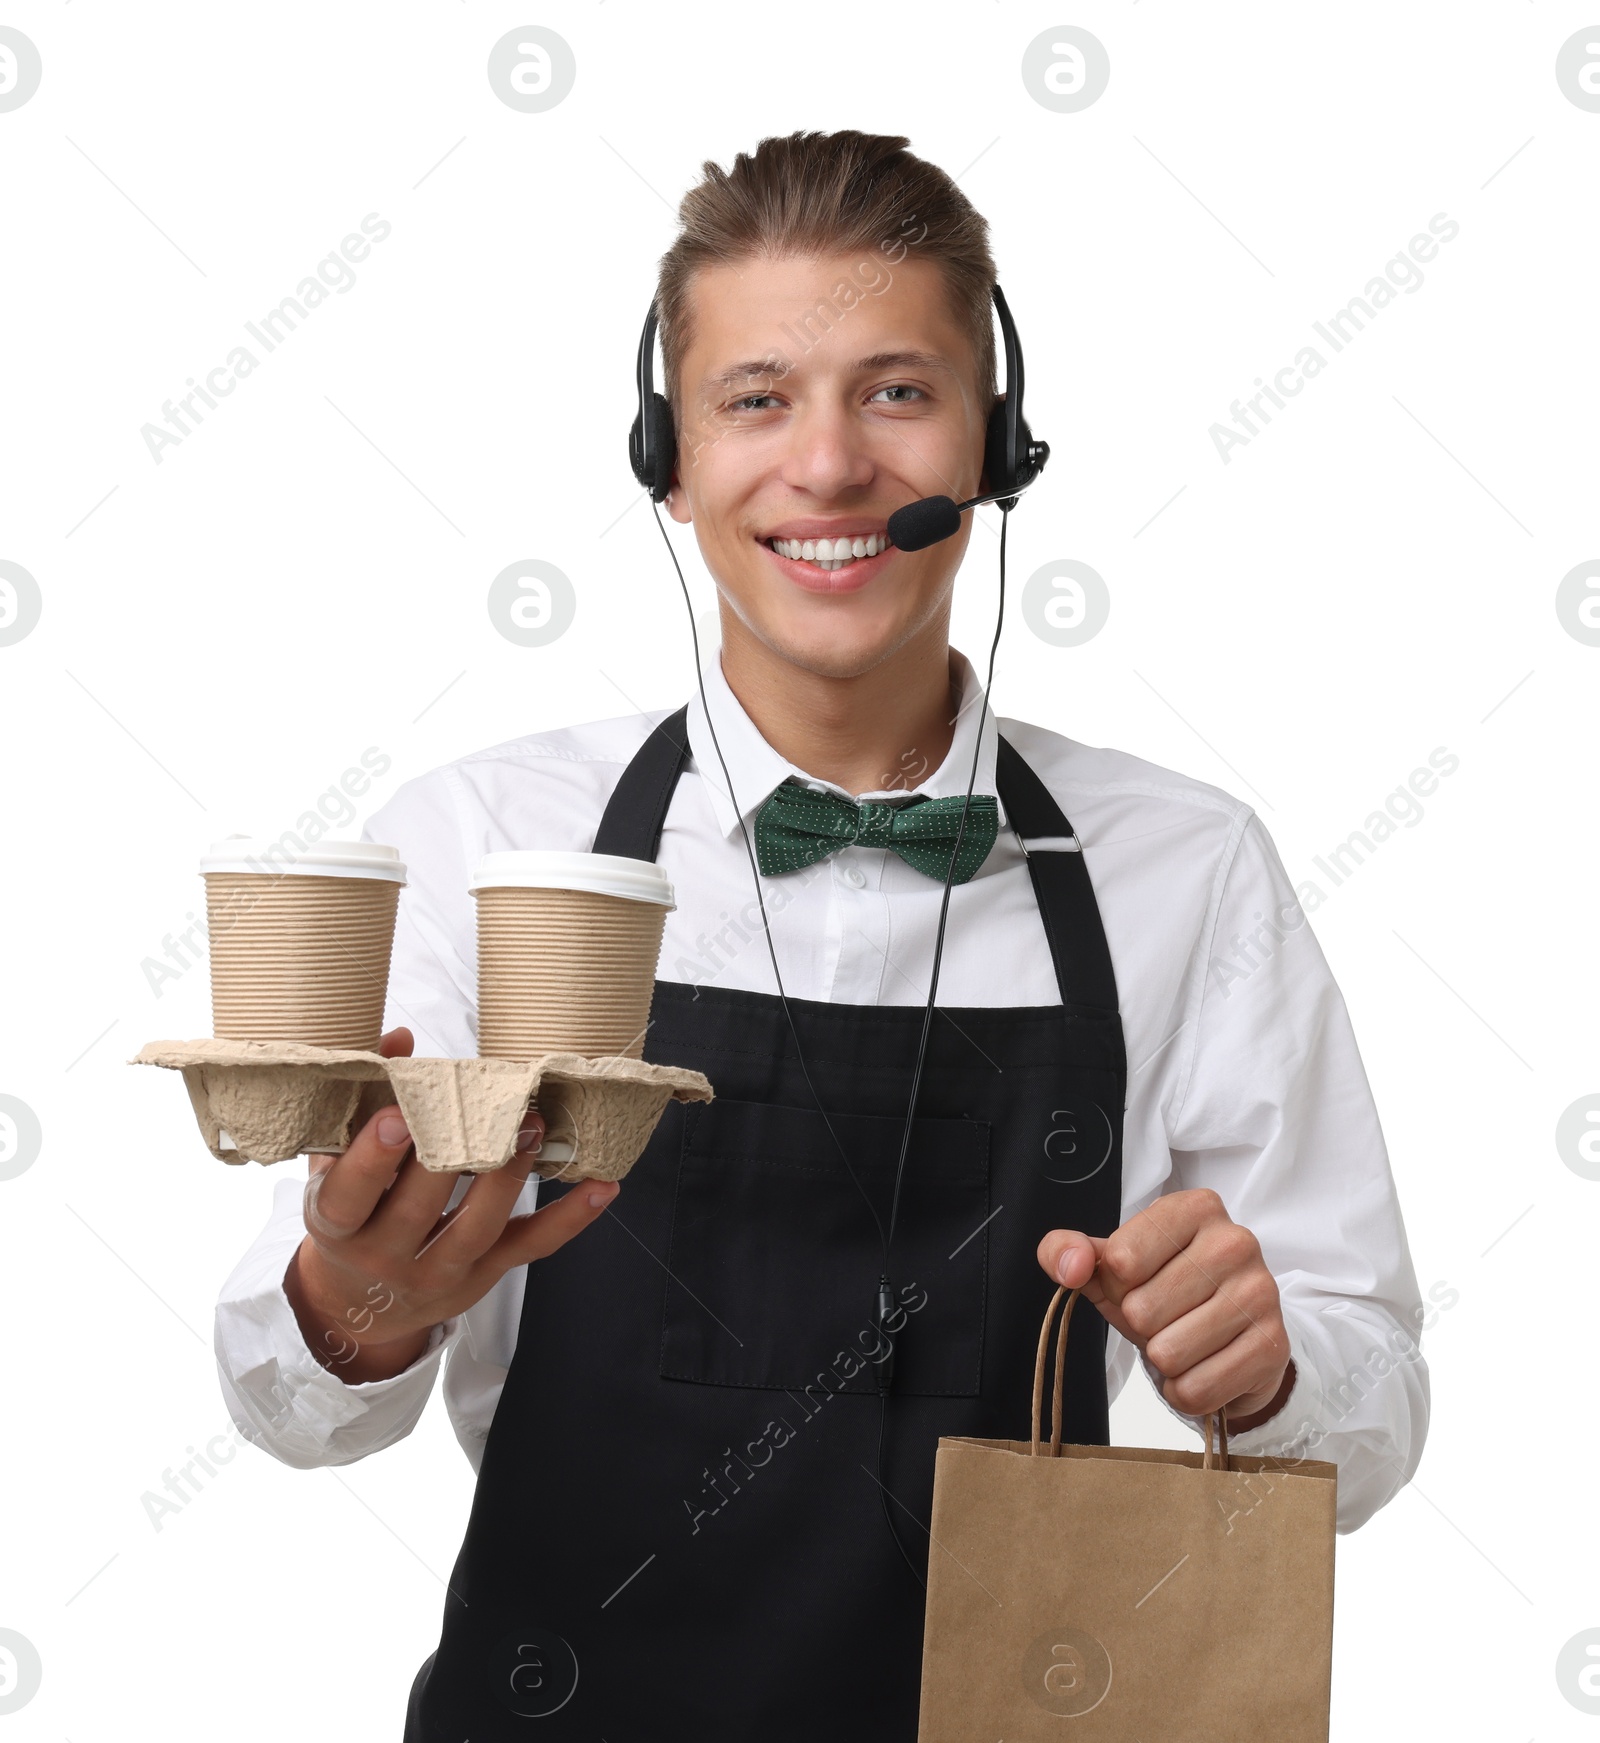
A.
pixel 818 396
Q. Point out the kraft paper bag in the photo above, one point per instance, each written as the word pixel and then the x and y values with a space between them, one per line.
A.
pixel 1125 1594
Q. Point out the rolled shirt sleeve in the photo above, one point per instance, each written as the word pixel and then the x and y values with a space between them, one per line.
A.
pixel 1277 1116
pixel 279 1395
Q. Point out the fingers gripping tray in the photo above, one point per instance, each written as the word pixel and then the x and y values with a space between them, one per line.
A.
pixel 270 1101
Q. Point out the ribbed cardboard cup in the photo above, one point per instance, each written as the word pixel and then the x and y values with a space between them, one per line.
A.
pixel 300 943
pixel 567 952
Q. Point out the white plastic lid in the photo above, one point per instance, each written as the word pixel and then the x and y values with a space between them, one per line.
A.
pixel 325 859
pixel 607 874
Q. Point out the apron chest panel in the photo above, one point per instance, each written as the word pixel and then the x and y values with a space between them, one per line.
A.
pixel 771 1242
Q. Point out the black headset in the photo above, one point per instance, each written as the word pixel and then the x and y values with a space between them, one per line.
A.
pixel 1012 460
pixel 1011 457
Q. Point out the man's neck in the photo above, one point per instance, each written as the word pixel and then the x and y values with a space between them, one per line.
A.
pixel 887 728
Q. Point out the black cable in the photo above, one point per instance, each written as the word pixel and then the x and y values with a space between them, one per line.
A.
pixel 884 1237
pixel 883 1492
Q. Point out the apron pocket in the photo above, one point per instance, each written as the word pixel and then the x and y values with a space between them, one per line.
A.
pixel 774 1260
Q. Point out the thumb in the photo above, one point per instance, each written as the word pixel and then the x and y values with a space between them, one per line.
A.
pixel 397 1044
pixel 1067 1256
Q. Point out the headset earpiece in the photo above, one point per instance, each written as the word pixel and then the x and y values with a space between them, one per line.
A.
pixel 1011 457
pixel 652 465
pixel 652 442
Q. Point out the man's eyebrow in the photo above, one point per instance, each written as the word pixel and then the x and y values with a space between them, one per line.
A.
pixel 903 360
pixel 758 368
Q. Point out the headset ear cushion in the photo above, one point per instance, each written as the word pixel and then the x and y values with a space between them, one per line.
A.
pixel 657 476
pixel 995 469
pixel 1027 468
pixel 663 446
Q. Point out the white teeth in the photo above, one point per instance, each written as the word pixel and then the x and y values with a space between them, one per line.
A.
pixel 831 553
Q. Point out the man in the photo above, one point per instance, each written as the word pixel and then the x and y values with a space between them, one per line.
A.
pixel 684 1480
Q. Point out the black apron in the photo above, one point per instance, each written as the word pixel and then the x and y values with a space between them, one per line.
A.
pixel 677 1529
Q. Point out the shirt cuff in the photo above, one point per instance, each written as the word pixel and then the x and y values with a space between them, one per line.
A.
pixel 1275 1434
pixel 279 1394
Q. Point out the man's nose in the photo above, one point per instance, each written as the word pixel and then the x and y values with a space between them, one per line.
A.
pixel 828 452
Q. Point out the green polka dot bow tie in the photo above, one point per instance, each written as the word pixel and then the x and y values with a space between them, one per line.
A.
pixel 798 826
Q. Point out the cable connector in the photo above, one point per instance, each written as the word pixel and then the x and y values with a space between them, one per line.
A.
pixel 882 1310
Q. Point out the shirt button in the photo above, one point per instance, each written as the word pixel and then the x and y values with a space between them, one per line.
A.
pixel 856 879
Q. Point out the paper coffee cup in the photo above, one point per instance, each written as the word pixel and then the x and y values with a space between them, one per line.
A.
pixel 300 940
pixel 567 952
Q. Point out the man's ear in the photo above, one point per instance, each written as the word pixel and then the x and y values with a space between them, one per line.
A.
pixel 677 500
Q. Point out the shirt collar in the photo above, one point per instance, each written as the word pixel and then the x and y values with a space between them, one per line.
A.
pixel 757 769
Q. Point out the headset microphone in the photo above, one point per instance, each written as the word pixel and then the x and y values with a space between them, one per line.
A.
pixel 932 518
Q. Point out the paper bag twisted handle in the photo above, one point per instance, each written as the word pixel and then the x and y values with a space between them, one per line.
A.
pixel 1220 1417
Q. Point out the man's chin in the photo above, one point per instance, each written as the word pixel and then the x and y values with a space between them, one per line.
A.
pixel 842 650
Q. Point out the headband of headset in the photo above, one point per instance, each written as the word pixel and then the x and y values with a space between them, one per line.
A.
pixel 1011 457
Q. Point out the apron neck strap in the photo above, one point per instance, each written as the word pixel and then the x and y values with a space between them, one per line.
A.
pixel 1061 883
pixel 637 808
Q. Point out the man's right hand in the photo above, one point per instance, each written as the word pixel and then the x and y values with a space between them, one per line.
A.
pixel 381 1266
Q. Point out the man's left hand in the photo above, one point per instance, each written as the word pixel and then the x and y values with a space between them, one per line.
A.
pixel 1189 1286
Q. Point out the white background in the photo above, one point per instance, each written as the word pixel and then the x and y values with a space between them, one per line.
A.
pixel 305 576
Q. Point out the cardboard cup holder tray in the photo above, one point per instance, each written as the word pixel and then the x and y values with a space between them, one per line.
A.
pixel 267 1102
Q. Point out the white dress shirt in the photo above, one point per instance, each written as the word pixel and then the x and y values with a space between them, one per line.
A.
pixel 1243 1071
